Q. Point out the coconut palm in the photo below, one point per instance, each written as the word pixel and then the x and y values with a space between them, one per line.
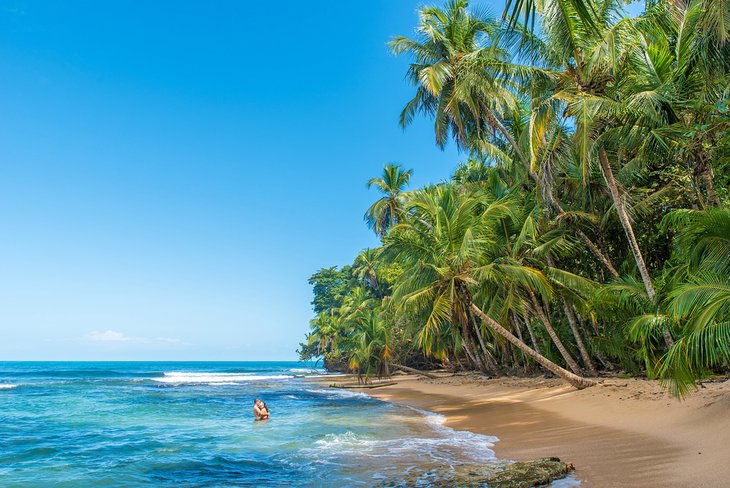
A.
pixel 365 268
pixel 373 349
pixel 442 248
pixel 614 149
pixel 631 103
pixel 588 55
pixel 700 301
pixel 465 82
pixel 387 211
pixel 451 53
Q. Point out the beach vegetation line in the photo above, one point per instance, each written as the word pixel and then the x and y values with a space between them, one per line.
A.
pixel 587 230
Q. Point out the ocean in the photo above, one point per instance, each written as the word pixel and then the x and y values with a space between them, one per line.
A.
pixel 190 424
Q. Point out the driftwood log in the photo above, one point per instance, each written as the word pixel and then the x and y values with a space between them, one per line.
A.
pixel 414 371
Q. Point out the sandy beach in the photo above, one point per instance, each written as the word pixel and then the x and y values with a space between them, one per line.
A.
pixel 621 433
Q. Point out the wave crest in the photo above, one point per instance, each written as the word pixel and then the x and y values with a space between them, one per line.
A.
pixel 185 378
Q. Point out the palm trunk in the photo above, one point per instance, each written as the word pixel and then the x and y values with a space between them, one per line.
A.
pixel 488 362
pixel 458 361
pixel 572 364
pixel 625 222
pixel 469 354
pixel 518 329
pixel 629 230
pixel 583 323
pixel 532 336
pixel 586 240
pixel 573 379
pixel 576 334
pixel 579 341
pixel 493 121
pixel 408 369
pixel 705 173
pixel 599 355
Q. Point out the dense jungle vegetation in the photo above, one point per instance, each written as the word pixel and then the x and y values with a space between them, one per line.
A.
pixel 587 230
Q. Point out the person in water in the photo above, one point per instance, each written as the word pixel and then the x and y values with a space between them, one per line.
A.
pixel 260 410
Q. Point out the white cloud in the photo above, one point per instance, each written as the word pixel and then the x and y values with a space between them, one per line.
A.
pixel 113 336
pixel 107 336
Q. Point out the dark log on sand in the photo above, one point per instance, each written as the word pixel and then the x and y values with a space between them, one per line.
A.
pixel 363 385
pixel 414 371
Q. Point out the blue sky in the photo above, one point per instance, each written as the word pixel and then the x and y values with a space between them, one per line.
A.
pixel 173 172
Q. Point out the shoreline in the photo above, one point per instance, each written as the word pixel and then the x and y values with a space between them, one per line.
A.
pixel 621 433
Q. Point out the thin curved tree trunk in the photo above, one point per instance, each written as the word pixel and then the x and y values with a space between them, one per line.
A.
pixel 573 379
pixel 458 361
pixel 587 361
pixel 470 354
pixel 572 364
pixel 488 362
pixel 535 344
pixel 408 369
pixel 583 325
pixel 599 355
pixel 595 250
pixel 625 222
pixel 705 172
pixel 493 121
pixel 579 341
pixel 518 329
pixel 629 231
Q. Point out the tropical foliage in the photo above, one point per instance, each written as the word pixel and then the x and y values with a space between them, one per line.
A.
pixel 587 231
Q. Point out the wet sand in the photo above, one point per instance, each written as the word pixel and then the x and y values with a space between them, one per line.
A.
pixel 621 433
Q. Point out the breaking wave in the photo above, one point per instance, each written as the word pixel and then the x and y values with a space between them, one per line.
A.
pixel 185 378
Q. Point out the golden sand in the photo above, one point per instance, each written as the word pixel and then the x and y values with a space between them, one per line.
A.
pixel 621 433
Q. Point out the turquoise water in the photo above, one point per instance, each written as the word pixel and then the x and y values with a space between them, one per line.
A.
pixel 190 424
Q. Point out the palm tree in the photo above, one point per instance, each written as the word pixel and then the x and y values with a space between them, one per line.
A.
pixel 700 298
pixel 387 211
pixel 466 83
pixel 631 89
pixel 365 268
pixel 373 348
pixel 449 72
pixel 683 88
pixel 443 249
pixel 588 54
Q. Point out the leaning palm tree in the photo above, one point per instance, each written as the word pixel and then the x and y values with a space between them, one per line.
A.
pixel 387 211
pixel 590 58
pixel 443 248
pixel 466 82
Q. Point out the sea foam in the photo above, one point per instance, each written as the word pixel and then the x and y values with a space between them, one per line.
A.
pixel 433 442
pixel 6 386
pixel 219 379
pixel 337 394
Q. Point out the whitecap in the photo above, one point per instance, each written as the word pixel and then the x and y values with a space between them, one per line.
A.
pixel 7 386
pixel 344 442
pixel 214 379
pixel 307 371
pixel 437 442
pixel 336 393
